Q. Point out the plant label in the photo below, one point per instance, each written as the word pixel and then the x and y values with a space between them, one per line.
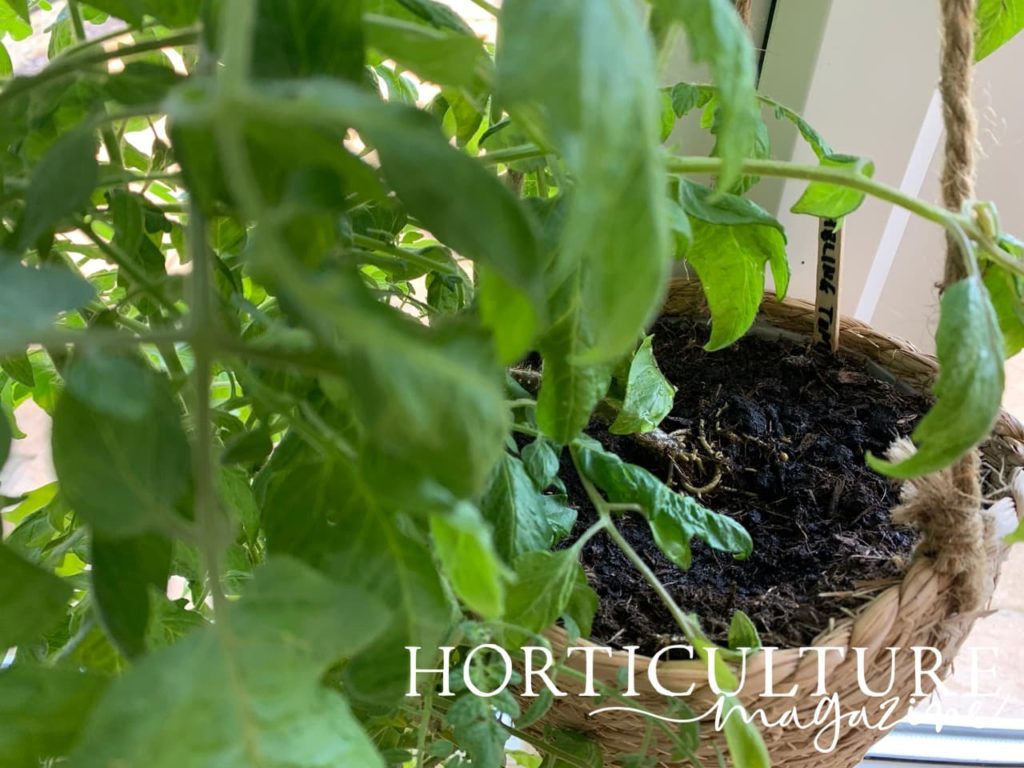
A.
pixel 826 302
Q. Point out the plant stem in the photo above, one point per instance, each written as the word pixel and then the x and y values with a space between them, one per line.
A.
pixel 76 21
pixel 106 338
pixel 523 402
pixel 491 9
pixel 72 64
pixel 686 622
pixel 958 224
pixel 419 259
pixel 201 322
pixel 840 177
pixel 512 154
pixel 421 737
pixel 601 525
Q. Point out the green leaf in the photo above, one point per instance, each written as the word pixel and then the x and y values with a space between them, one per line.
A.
pixel 12 22
pixel 442 56
pixel 674 517
pixel 299 38
pixel 141 82
pixel 583 605
pixel 705 204
pixel 122 471
pixel 113 385
pixel 478 730
pixel 30 298
pixel 62 35
pixel 682 229
pixel 746 746
pixel 43 710
pixel 969 388
pixel 733 240
pixel 597 102
pixel 315 174
pixel 6 65
pixel 586 751
pixel 743 633
pixel 437 184
pixel 649 395
pixel 19 367
pixel 61 184
pixel 687 97
pixel 997 22
pixel 541 461
pixel 717 37
pixel 247 690
pixel 237 499
pixel 543 588
pixel 466 551
pixel 247 448
pixel 123 573
pixel 437 14
pixel 31 600
pixel 430 398
pixel 325 513
pixel 172 13
pixel 1017 537
pixel 20 7
pixel 1006 290
pixel 126 216
pixel 570 389
pixel 448 294
pixel 831 201
pixel 523 518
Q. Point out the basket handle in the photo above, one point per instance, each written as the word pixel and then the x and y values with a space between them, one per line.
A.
pixel 953 527
pixel 957 60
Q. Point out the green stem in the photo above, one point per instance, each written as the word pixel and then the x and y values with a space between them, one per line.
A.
pixel 238 18
pixel 99 40
pixel 961 226
pixel 201 324
pixel 102 338
pixel 686 622
pixel 76 21
pixel 787 170
pixel 512 154
pixel 601 525
pixel 424 729
pixel 523 402
pixel 777 168
pixel 74 64
pixel 491 9
pixel 419 259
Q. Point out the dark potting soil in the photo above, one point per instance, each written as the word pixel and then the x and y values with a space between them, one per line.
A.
pixel 776 433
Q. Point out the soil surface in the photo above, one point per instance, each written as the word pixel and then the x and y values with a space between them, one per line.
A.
pixel 777 434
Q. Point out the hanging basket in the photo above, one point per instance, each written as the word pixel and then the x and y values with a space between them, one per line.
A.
pixel 944 588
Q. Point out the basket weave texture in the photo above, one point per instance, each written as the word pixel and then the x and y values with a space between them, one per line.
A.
pixel 922 610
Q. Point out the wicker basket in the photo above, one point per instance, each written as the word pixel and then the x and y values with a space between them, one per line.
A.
pixel 920 611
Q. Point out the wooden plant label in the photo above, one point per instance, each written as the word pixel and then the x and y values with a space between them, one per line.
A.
pixel 826 302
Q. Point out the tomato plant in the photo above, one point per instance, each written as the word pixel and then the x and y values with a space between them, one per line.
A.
pixel 270 297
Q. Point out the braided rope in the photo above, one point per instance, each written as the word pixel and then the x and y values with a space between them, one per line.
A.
pixel 959 526
pixel 957 59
